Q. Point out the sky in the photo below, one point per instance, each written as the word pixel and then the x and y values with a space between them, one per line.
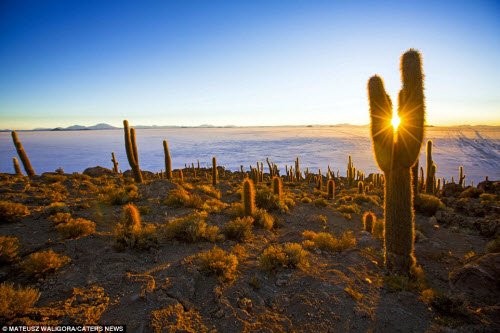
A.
pixel 240 62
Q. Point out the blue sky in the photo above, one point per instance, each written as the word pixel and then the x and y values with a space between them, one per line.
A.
pixel 240 62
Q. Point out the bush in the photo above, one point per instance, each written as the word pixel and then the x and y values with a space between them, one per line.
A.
pixel 40 263
pixel 56 207
pixel 219 262
pixel 263 219
pixel 210 191
pixel 8 248
pixel 120 196
pixel 175 319
pixel 76 228
pixel 290 255
pixel 266 199
pixel 427 204
pixel 59 218
pixel 191 228
pixel 362 198
pixel 320 202
pixel 182 198
pixel 471 192
pixel 378 229
pixel 239 229
pixel 12 212
pixel 493 246
pixel 328 242
pixel 16 301
pixel 143 237
pixel 349 209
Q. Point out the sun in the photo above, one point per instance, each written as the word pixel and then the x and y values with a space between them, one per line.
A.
pixel 395 121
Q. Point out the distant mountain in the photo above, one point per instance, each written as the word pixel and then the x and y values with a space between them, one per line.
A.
pixel 101 126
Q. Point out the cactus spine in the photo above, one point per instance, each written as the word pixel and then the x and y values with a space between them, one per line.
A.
pixel 22 155
pixel 248 197
pixel 168 161
pixel 429 180
pixel 414 177
pixel 17 168
pixel 396 152
pixel 214 171
pixel 131 149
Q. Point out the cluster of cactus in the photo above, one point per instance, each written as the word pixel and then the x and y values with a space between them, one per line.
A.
pixel 396 151
pixel 131 149
pixel 168 161
pixel 23 156
pixel 298 174
pixel 257 174
pixel 377 179
pixel 430 180
pixel 248 197
pixel 273 169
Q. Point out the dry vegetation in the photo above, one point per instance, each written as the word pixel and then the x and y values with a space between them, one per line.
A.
pixel 171 256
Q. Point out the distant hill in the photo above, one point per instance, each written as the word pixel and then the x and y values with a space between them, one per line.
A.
pixel 101 126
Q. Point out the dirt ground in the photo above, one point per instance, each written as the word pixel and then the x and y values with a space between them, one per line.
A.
pixel 161 288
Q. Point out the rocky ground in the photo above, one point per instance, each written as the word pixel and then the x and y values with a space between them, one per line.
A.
pixel 159 281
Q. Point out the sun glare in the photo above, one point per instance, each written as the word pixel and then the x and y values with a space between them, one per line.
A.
pixel 395 122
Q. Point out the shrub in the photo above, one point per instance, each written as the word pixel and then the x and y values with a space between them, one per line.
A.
pixel 349 209
pixel 191 228
pixel 320 202
pixel 362 198
pixel 59 218
pixel 130 232
pixel 328 242
pixel 263 219
pixel 175 319
pixel 41 263
pixel 290 255
pixel 76 228
pixel 16 301
pixel 471 192
pixel 121 195
pixel 56 207
pixel 182 198
pixel 493 246
pixel 12 212
pixel 8 248
pixel 266 199
pixel 427 204
pixel 219 262
pixel 209 190
pixel 379 229
pixel 239 229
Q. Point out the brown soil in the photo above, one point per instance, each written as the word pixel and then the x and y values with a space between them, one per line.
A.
pixel 146 289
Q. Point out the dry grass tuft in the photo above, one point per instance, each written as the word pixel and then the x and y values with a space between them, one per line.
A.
pixel 76 228
pixel 8 248
pixel 191 228
pixel 12 212
pixel 56 207
pixel 59 218
pixel 219 262
pixel 239 229
pixel 290 255
pixel 41 263
pixel 16 301
pixel 175 319
pixel 328 242
pixel 263 219
pixel 427 204
pixel 182 198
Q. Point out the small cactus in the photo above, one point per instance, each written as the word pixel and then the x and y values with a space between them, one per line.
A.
pixel 132 217
pixel 168 161
pixel 277 187
pixel 214 171
pixel 132 154
pixel 248 197
pixel 330 187
pixel 429 180
pixel 115 163
pixel 361 187
pixel 23 156
pixel 17 168
pixel 369 220
pixel 461 176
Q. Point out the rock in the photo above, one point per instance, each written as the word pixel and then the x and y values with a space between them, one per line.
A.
pixel 145 174
pixel 489 186
pixel 97 171
pixel 479 279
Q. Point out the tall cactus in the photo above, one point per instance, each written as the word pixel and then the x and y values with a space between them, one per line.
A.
pixel 278 187
pixel 17 168
pixel 22 155
pixel 396 151
pixel 168 161
pixel 131 149
pixel 461 176
pixel 330 187
pixel 248 197
pixel 429 180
